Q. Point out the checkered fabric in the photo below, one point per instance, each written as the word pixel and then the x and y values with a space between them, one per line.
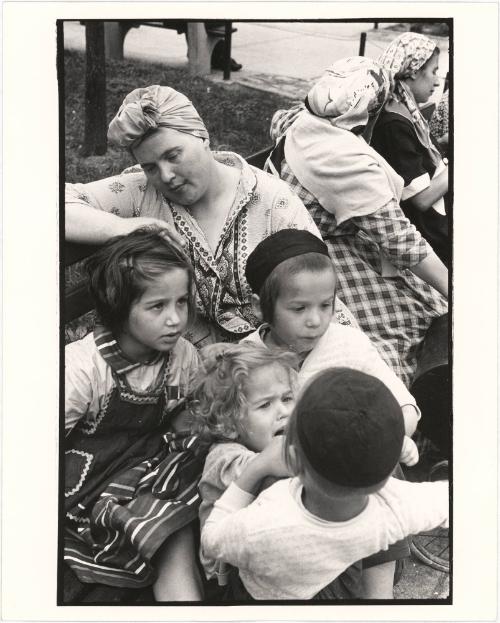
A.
pixel 394 311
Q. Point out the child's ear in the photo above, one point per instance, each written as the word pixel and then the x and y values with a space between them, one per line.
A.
pixel 255 300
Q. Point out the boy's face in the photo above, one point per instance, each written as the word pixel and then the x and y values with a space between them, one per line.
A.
pixel 304 309
pixel 270 398
pixel 158 318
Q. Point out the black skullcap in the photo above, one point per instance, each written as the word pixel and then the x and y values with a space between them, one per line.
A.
pixel 277 248
pixel 350 427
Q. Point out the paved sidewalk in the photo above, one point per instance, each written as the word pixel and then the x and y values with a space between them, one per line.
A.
pixel 280 57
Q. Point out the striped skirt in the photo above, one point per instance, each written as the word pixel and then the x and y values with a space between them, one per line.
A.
pixel 114 542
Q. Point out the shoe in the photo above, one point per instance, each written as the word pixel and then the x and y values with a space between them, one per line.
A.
pixel 218 63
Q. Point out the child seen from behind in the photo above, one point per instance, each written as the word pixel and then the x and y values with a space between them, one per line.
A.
pixel 343 441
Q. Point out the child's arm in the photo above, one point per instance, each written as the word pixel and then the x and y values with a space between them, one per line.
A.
pixel 377 367
pixel 223 536
pixel 269 462
pixel 419 506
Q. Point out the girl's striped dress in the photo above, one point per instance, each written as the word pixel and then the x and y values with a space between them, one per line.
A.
pixel 130 481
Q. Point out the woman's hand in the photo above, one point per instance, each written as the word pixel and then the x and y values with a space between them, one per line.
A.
pixel 97 227
pixel 167 231
pixel 409 452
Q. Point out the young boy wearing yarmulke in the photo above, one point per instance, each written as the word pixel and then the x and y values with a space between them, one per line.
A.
pixel 294 284
pixel 342 443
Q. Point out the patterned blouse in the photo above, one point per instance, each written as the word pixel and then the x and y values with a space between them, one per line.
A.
pixel 262 206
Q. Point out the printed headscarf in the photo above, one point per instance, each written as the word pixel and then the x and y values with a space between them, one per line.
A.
pixel 153 107
pixel 350 92
pixel 407 54
pixel 403 57
pixel 323 146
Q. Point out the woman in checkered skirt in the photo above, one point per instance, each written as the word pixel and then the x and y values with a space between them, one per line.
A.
pixel 389 276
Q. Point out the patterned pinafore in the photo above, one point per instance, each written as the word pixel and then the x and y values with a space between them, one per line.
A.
pixel 129 484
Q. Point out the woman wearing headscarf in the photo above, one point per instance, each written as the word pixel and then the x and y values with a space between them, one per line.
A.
pixel 402 136
pixel 219 206
pixel 388 275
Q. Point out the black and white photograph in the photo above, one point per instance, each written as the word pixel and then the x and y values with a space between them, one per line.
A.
pixel 259 293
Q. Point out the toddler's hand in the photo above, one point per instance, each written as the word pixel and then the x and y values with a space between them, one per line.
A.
pixel 272 458
pixel 409 453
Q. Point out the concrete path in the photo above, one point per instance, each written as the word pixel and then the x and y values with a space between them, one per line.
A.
pixel 280 57
pixel 285 58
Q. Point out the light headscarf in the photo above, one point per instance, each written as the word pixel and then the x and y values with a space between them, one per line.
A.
pixel 340 169
pixel 403 57
pixel 145 109
pixel 350 92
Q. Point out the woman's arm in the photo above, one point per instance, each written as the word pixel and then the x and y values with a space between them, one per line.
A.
pixel 437 188
pixel 403 245
pixel 434 272
pixel 100 210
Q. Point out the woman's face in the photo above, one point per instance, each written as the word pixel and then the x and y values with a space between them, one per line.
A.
pixel 425 81
pixel 177 164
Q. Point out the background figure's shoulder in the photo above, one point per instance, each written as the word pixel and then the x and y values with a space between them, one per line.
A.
pixel 82 349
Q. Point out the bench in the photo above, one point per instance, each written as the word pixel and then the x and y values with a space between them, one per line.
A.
pixel 202 37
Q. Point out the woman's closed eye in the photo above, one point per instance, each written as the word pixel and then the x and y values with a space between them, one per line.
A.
pixel 172 156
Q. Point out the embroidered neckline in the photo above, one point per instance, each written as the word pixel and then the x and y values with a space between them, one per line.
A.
pixel 189 226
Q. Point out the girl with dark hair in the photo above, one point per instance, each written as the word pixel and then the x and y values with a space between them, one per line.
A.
pixel 131 465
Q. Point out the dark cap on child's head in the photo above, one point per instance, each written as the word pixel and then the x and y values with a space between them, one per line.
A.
pixel 350 427
pixel 277 248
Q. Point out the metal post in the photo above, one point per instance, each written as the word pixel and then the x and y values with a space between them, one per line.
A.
pixel 228 27
pixel 362 44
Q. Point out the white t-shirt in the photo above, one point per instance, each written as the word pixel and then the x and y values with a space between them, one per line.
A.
pixel 282 551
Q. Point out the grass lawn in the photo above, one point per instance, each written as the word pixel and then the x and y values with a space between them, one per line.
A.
pixel 236 117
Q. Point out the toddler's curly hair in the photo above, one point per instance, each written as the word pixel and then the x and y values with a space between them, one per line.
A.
pixel 219 405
